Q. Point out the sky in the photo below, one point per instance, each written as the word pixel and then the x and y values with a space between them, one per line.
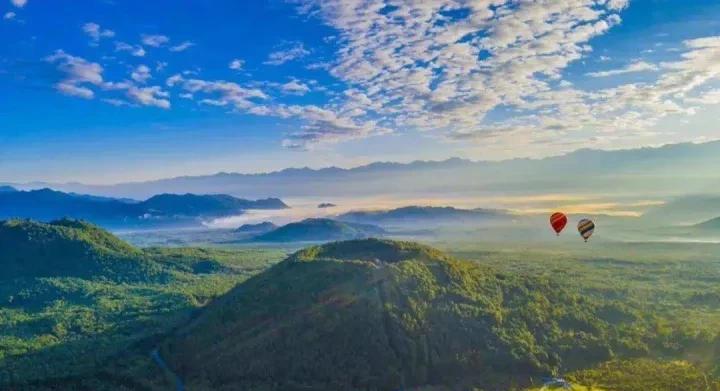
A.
pixel 112 91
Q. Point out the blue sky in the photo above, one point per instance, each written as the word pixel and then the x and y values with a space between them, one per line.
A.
pixel 108 91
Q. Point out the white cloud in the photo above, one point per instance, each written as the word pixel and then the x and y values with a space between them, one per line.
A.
pixel 638 66
pixel 95 32
pixel 135 50
pixel 220 92
pixel 154 40
pixel 617 5
pixel 325 126
pixel 182 47
pixel 79 74
pixel 494 73
pixel 294 51
pixel 18 3
pixel 236 64
pixel 427 70
pixel 295 87
pixel 149 96
pixel 173 80
pixel 9 15
pixel 141 74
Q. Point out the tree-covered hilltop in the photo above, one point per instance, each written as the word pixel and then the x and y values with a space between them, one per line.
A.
pixel 81 309
pixel 69 248
pixel 381 315
pixel 206 205
pixel 256 229
pixel 320 230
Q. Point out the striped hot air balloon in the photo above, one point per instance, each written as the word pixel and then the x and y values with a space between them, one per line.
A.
pixel 586 228
pixel 558 221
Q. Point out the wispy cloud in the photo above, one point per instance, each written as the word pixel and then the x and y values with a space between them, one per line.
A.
pixel 149 96
pixel 81 77
pixel 295 87
pixel 9 15
pixel 78 74
pixel 95 32
pixel 638 66
pixel 220 92
pixel 135 50
pixel 294 51
pixel 18 3
pixel 141 74
pixel 154 40
pixel 182 47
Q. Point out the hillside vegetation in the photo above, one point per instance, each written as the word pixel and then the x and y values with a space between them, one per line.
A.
pixel 69 248
pixel 81 309
pixel 381 315
pixel 321 230
pixel 367 314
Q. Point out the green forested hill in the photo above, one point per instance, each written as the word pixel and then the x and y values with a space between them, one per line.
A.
pixel 320 230
pixel 69 248
pixel 383 315
pixel 81 309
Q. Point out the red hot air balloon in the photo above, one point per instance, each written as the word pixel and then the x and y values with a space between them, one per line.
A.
pixel 558 221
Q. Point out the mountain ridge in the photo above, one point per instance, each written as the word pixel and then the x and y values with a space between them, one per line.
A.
pixel 163 209
pixel 663 169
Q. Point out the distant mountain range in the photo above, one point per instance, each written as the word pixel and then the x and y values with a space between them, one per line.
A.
pixel 164 209
pixel 320 230
pixel 665 171
pixel 425 215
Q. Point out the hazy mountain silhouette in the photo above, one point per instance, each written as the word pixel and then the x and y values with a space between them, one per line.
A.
pixel 47 204
pixel 669 170
pixel 425 215
pixel 320 230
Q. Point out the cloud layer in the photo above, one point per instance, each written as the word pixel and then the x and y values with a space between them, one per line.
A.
pixel 493 72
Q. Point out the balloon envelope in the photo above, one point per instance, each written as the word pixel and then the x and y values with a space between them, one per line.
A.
pixel 586 228
pixel 558 221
